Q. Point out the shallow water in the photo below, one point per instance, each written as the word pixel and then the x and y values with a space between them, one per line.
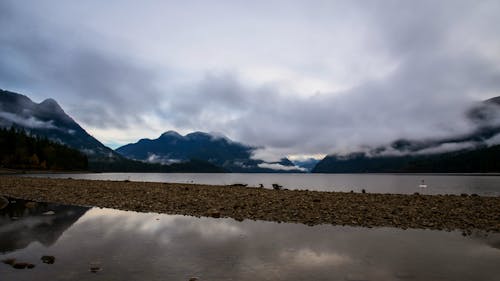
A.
pixel 148 246
pixel 488 185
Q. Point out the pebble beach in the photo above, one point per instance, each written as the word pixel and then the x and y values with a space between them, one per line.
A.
pixel 465 212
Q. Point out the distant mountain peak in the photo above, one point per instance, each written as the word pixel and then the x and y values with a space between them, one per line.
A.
pixel 199 135
pixel 214 148
pixel 48 119
pixel 171 134
pixel 494 100
pixel 51 105
pixel 49 102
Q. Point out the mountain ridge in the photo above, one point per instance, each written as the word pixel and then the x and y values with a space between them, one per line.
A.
pixel 431 155
pixel 49 120
pixel 217 149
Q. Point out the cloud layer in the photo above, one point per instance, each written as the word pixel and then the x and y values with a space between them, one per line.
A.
pixel 297 77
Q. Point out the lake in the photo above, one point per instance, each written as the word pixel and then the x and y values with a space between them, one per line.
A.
pixel 487 185
pixel 147 246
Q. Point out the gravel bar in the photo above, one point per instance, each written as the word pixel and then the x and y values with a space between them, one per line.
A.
pixel 441 212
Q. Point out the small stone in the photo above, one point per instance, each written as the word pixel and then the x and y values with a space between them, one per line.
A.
pixel 193 279
pixel 49 213
pixel 95 267
pixel 214 213
pixel 277 186
pixel 48 259
pixel 3 202
pixel 238 185
pixel 30 266
pixel 30 205
pixel 20 265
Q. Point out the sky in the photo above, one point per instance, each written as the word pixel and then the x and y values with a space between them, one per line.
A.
pixel 300 78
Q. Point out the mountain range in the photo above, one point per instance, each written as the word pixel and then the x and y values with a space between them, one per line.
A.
pixel 203 152
pixel 476 151
pixel 48 119
pixel 171 152
pixel 171 147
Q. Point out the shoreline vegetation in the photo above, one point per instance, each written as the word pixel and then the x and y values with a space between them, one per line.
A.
pixel 463 212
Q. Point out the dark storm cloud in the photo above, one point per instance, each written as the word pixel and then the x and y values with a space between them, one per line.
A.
pixel 99 88
pixel 436 60
pixel 438 74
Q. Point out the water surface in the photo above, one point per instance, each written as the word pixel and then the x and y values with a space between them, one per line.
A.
pixel 488 185
pixel 148 246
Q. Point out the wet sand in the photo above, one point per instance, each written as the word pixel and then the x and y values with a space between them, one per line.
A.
pixel 443 212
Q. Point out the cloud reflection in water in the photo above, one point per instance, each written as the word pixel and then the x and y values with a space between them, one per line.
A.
pixel 148 246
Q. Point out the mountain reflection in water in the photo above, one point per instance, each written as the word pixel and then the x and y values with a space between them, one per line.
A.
pixel 147 246
pixel 23 222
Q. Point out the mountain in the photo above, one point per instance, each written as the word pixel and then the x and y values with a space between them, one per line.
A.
pixel 478 160
pixel 476 151
pixel 306 164
pixel 172 147
pixel 48 119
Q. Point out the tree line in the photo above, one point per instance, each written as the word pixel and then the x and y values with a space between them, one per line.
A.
pixel 18 150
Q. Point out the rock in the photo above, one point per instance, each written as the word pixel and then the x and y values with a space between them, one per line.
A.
pixel 30 205
pixel 238 185
pixel 30 266
pixel 20 265
pixel 214 213
pixel 48 259
pixel 95 267
pixel 49 213
pixel 193 279
pixel 3 202
pixel 277 186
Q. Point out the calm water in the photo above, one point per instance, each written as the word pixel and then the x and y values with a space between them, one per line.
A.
pixel 380 183
pixel 147 246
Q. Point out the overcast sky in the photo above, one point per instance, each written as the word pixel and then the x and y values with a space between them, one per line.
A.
pixel 299 77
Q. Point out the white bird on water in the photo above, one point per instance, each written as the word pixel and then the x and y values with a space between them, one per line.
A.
pixel 423 185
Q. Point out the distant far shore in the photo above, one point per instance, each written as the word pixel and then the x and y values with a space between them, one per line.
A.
pixel 7 171
pixel 464 212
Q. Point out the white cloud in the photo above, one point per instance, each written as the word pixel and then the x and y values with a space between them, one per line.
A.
pixel 279 167
pixel 153 158
pixel 29 122
pixel 298 77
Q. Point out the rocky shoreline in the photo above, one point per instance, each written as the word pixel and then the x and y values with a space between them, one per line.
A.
pixel 441 212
